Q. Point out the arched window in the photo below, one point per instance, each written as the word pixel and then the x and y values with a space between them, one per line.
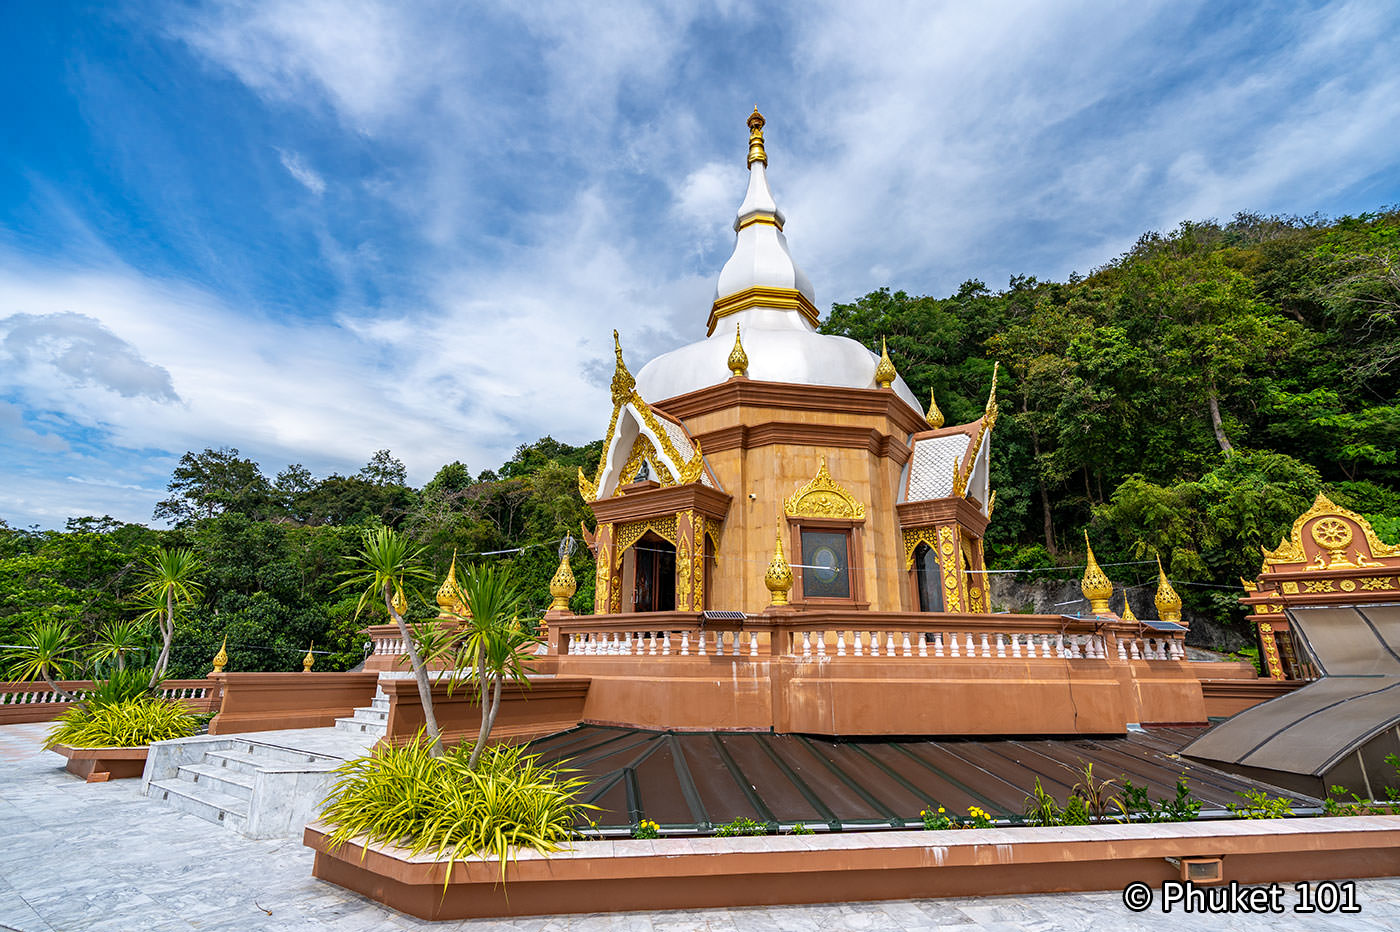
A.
pixel 930 584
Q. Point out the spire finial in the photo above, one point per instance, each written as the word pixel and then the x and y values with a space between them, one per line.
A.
pixel 738 359
pixel 221 658
pixel 563 586
pixel 1095 585
pixel 1167 601
pixel 309 660
pixel 622 381
pixel 756 152
pixel 450 599
pixel 885 373
pixel 1128 609
pixel 991 412
pixel 934 416
pixel 778 579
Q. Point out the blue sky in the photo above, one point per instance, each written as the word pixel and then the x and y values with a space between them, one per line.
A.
pixel 312 230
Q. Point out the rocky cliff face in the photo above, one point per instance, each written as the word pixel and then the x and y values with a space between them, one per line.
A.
pixel 1063 597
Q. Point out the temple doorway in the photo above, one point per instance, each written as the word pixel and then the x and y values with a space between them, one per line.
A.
pixel 654 589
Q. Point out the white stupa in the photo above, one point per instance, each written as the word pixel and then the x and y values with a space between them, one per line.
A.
pixel 773 304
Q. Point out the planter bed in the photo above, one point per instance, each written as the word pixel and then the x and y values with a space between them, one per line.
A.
pixel 98 765
pixel 689 873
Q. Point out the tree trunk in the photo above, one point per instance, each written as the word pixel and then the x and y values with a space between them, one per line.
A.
pixel 167 634
pixel 53 684
pixel 485 728
pixel 1220 437
pixel 425 689
pixel 1044 494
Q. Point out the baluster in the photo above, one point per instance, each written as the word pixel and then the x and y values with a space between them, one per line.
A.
pixel 889 644
pixel 1178 651
pixel 821 644
pixel 908 648
pixel 701 645
pixel 753 643
pixel 738 643
pixel 1001 645
pixel 841 643
pixel 1122 650
pixel 874 643
pixel 1030 646
pixel 971 652
pixel 665 643
pixel 1016 645
pixel 986 648
pixel 923 643
pixel 953 643
pixel 855 636
pixel 1133 651
pixel 627 643
pixel 1045 646
pixel 938 644
pixel 685 643
pixel 652 641
pixel 806 645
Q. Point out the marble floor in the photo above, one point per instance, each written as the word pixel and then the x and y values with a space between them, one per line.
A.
pixel 78 857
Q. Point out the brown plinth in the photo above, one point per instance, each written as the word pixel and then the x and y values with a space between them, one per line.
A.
pixel 607 876
pixel 98 765
pixel 543 707
pixel 272 701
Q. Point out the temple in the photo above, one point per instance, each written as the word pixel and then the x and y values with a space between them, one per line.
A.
pixel 787 542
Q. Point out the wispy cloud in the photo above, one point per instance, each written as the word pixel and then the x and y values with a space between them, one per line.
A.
pixel 298 169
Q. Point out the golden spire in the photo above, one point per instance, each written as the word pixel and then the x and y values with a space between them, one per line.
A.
pixel 1096 586
pixel 622 381
pixel 1128 609
pixel 563 586
pixel 935 415
pixel 991 503
pixel 449 595
pixel 884 371
pixel 400 601
pixel 308 660
pixel 991 413
pixel 778 579
pixel 738 359
pixel 221 658
pixel 1168 602
pixel 756 153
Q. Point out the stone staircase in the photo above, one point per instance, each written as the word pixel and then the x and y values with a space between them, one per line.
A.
pixel 261 784
pixel 369 720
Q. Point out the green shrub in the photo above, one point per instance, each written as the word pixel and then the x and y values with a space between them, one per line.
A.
pixel 122 724
pixel 1139 808
pixel 121 686
pixel 741 826
pixel 937 821
pixel 646 829
pixel 407 797
pixel 801 829
pixel 1261 806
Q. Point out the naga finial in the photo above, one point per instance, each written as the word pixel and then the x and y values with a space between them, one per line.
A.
pixel 756 151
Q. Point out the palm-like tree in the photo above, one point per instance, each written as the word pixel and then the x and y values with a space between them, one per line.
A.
pixel 167 581
pixel 116 640
pixel 48 651
pixel 494 644
pixel 384 568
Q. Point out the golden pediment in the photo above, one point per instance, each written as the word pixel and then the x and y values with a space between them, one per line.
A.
pixel 823 497
pixel 1329 536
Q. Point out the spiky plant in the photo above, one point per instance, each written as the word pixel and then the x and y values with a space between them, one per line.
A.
pixel 47 650
pixel 125 724
pixel 168 580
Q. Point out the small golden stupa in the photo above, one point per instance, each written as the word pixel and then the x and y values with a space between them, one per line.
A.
pixel 1097 587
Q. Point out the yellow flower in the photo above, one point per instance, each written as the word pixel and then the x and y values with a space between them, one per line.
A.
pixel 941 809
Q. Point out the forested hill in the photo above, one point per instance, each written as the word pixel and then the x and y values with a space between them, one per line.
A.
pixel 1192 396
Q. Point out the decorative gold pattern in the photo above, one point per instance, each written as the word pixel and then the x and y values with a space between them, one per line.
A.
pixel 1332 534
pixel 935 414
pixel 1318 585
pixel 643 451
pixel 221 658
pixel 778 579
pixel 986 426
pixel 1271 658
pixel 1128 609
pixel 948 560
pixel 885 373
pixel 974 600
pixel 991 503
pixel 563 586
pixel 1376 582
pixel 1290 588
pixel 1095 585
pixel 823 497
pixel 1248 586
pixel 912 538
pixel 756 151
pixel 1347 585
pixel 603 558
pixel 628 534
pixel 452 602
pixel 684 571
pixel 1167 601
pixel 738 359
pixel 309 660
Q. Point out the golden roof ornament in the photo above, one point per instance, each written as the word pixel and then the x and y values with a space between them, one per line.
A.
pixel 1168 602
pixel 756 151
pixel 885 373
pixel 990 415
pixel 450 599
pixel 622 381
pixel 1095 585
pixel 934 416
pixel 563 586
pixel 1128 609
pixel 221 658
pixel 778 579
pixel 738 359
pixel 309 659
pixel 400 600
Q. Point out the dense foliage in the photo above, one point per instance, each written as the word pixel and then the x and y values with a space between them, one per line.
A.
pixel 128 723
pixel 1190 397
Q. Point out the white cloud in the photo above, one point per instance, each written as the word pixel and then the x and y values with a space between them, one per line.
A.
pixel 305 174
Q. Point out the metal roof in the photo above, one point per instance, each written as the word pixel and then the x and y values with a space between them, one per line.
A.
pixel 692 782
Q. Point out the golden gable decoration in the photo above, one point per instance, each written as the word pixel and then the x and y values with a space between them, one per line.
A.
pixel 823 497
pixel 1331 541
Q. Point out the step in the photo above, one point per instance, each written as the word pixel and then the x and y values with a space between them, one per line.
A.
pixel 370 714
pixel 219 779
pixel 380 703
pixel 359 726
pixel 272 755
pixel 202 801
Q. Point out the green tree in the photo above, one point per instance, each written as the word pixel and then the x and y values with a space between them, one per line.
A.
pixel 168 581
pixel 47 651
pixel 213 482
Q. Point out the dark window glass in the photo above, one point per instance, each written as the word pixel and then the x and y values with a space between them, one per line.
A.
pixel 826 572
pixel 655 589
pixel 930 586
